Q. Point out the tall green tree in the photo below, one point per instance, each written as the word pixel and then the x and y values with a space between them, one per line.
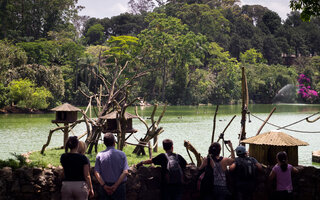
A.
pixel 31 20
pixel 11 56
pixel 95 35
pixel 169 46
pixel 309 8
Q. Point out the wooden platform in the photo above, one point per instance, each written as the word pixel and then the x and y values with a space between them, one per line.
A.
pixel 316 156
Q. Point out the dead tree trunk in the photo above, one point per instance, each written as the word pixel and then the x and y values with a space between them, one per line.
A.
pixel 152 131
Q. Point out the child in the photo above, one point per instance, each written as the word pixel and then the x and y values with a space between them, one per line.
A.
pixel 282 172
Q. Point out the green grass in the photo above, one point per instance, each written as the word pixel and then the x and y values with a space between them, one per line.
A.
pixel 52 156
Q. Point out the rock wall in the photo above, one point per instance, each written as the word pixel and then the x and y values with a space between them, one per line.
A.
pixel 142 184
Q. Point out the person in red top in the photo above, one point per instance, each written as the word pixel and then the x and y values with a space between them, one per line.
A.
pixel 282 172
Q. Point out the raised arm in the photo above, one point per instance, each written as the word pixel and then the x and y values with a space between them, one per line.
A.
pixel 144 162
pixel 232 151
pixel 203 163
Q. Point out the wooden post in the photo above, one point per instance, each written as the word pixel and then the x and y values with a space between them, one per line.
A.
pixel 245 102
pixel 265 121
pixel 150 150
pixel 65 135
pixel 155 143
pixel 214 124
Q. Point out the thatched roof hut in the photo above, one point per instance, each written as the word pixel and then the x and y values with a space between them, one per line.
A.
pixel 113 115
pixel 66 107
pixel 111 125
pixel 264 147
pixel 65 113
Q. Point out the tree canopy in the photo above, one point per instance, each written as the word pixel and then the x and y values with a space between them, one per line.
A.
pixel 192 49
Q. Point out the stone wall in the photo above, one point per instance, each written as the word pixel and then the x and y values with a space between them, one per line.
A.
pixel 142 184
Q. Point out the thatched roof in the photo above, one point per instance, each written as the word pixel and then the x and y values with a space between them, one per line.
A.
pixel 275 138
pixel 66 107
pixel 113 115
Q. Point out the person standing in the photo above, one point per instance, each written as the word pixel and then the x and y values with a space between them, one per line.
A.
pixel 111 170
pixel 245 169
pixel 282 172
pixel 77 181
pixel 172 166
pixel 220 190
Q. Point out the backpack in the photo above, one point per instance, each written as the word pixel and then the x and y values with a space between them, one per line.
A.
pixel 174 174
pixel 206 179
pixel 246 168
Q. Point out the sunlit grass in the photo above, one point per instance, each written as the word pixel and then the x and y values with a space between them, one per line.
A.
pixel 52 156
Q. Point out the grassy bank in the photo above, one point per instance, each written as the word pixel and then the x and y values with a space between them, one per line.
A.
pixel 52 156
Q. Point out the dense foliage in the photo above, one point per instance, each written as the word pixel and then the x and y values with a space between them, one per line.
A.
pixel 193 49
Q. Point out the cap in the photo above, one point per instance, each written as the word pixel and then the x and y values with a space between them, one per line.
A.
pixel 240 150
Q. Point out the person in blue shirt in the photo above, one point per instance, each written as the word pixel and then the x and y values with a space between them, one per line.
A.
pixel 111 170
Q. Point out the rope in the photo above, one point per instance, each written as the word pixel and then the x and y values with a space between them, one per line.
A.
pixel 284 127
pixel 298 121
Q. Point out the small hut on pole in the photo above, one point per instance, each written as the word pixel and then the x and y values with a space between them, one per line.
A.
pixel 120 124
pixel 111 124
pixel 264 147
pixel 65 113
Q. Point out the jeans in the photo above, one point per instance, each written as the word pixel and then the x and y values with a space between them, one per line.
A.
pixel 119 194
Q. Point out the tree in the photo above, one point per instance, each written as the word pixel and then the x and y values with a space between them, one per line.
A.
pixel 141 6
pixel 24 93
pixel 202 19
pixel 254 12
pixel 251 56
pixel 264 81
pixel 169 46
pixel 271 50
pixel 3 95
pixel 309 8
pixel 48 77
pixel 272 21
pixel 95 34
pixel 31 20
pixel 11 56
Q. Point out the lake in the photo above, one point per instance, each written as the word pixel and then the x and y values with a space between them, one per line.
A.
pixel 21 133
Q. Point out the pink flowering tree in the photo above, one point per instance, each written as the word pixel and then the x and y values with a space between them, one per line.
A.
pixel 305 92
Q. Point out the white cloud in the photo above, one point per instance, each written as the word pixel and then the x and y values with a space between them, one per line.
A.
pixel 103 8
pixel 282 7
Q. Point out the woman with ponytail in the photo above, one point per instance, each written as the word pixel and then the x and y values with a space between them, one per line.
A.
pixel 77 181
pixel 282 172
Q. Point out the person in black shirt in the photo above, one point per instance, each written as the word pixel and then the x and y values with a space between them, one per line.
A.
pixel 172 166
pixel 77 181
pixel 244 169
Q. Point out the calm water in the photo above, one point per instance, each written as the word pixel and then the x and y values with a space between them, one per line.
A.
pixel 22 133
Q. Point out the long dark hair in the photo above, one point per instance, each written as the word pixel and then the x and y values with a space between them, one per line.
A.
pixel 283 159
pixel 72 143
pixel 214 150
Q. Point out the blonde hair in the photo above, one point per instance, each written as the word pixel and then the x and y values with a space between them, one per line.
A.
pixel 82 147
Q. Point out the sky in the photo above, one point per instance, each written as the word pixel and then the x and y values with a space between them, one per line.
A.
pixel 109 8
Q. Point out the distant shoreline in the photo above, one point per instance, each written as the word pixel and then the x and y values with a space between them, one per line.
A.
pixel 20 110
